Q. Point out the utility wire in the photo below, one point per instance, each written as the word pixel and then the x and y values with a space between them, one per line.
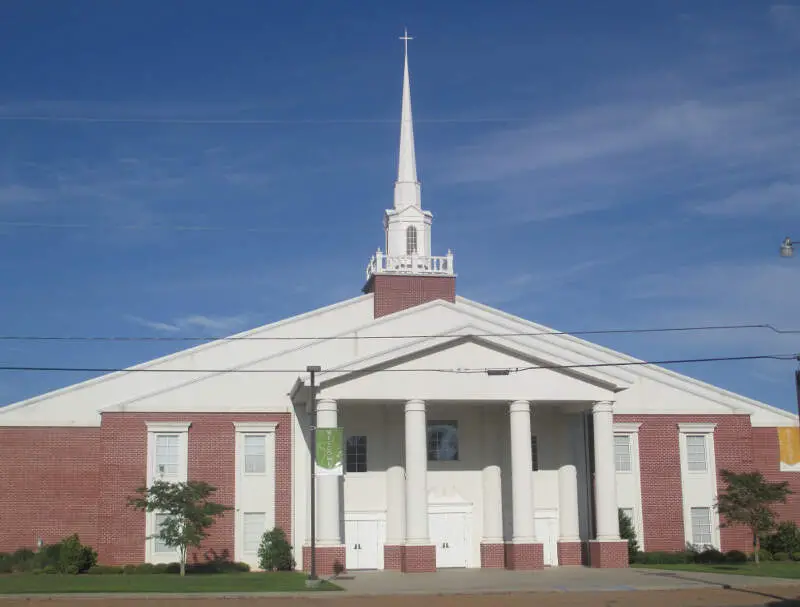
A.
pixel 248 121
pixel 494 370
pixel 179 338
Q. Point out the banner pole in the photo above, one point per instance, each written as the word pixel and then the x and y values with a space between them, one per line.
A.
pixel 313 399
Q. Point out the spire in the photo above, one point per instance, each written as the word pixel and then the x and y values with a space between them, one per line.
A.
pixel 407 190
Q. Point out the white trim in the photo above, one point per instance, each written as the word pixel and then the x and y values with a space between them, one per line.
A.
pixel 710 473
pixel 195 408
pixel 255 427
pixel 365 515
pixel 154 429
pixel 696 428
pixel 168 427
pixel 626 427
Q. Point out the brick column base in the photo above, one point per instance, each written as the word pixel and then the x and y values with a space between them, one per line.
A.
pixel 524 556
pixel 493 556
pixel 327 557
pixel 393 558
pixel 608 555
pixel 419 559
pixel 570 553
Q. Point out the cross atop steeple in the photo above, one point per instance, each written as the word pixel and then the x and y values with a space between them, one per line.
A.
pixel 407 191
pixel 406 38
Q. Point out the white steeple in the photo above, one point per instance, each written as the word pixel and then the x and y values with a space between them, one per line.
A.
pixel 407 225
pixel 406 189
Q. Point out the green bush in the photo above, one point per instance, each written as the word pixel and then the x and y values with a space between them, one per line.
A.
pixel 661 558
pixel 781 556
pixel 129 569
pixel 710 555
pixel 74 557
pixel 627 532
pixel 735 556
pixel 763 555
pixel 105 570
pixel 786 538
pixel 275 551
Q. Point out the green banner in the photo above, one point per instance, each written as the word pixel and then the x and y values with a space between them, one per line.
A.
pixel 329 452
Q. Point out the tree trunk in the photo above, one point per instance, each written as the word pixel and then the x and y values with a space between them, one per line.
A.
pixel 757 544
pixel 183 561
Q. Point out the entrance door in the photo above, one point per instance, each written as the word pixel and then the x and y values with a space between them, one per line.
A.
pixel 364 544
pixel 448 531
pixel 547 534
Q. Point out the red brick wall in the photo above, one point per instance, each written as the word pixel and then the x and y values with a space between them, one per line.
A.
pixel 766 456
pixel 211 459
pixel 48 485
pixel 394 293
pixel 661 474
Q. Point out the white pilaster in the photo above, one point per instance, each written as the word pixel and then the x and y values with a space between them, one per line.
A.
pixel 568 521
pixel 395 478
pixel 416 474
pixel 491 476
pixel 524 531
pixel 605 490
pixel 328 519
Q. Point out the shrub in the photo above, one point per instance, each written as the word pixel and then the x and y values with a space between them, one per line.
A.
pixel 661 558
pixel 786 538
pixel 735 556
pixel 105 570
pixel 74 557
pixel 275 552
pixel 218 566
pixel 781 556
pixel 129 569
pixel 763 555
pixel 710 555
pixel 173 568
pixel 627 532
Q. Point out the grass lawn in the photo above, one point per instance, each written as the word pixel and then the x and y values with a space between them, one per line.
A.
pixel 24 583
pixel 782 569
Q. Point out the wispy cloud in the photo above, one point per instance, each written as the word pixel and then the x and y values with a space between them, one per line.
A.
pixel 779 196
pixel 195 322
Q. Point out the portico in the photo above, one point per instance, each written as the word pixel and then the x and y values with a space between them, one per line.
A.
pixel 434 483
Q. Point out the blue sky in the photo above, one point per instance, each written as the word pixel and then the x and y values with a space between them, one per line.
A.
pixel 592 165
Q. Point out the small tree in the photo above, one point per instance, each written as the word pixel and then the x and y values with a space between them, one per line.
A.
pixel 627 532
pixel 275 551
pixel 748 499
pixel 189 513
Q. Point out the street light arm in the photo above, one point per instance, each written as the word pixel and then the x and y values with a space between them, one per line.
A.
pixel 787 247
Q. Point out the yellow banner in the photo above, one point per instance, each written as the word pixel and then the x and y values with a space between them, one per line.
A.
pixel 789 441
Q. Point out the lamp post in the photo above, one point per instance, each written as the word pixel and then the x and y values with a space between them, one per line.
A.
pixel 313 370
pixel 787 247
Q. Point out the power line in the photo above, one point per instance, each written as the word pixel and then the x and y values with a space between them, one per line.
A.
pixel 781 357
pixel 248 121
pixel 180 338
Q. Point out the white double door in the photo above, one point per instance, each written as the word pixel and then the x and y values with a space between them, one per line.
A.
pixel 547 534
pixel 448 531
pixel 364 543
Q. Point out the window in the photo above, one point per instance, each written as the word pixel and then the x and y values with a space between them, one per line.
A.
pixel 356 455
pixel 254 454
pixel 701 526
pixel 254 524
pixel 411 240
pixel 534 453
pixel 166 455
pixel 696 452
pixel 622 452
pixel 628 512
pixel 442 441
pixel 158 544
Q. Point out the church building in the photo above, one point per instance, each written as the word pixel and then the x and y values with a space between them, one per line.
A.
pixel 470 438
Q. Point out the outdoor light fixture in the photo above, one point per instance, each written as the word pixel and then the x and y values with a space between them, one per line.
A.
pixel 787 247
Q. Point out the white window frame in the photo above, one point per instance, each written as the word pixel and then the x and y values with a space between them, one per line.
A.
pixel 153 430
pixel 263 437
pixel 708 478
pixel 244 536
pixel 634 501
pixel 241 429
pixel 708 509
pixel 629 446
pixel 704 439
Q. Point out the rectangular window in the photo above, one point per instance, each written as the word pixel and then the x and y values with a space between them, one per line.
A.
pixel 442 441
pixel 534 453
pixel 255 454
pixel 167 455
pixel 622 452
pixel 356 455
pixel 627 512
pixel 696 453
pixel 701 526
pixel 254 527
pixel 158 545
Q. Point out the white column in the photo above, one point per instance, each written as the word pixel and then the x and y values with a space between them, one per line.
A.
pixel 416 474
pixel 524 531
pixel 328 524
pixel 568 522
pixel 491 476
pixel 605 490
pixel 395 478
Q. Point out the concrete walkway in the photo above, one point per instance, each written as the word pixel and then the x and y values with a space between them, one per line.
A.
pixel 560 579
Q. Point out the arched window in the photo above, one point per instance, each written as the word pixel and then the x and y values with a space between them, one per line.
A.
pixel 411 240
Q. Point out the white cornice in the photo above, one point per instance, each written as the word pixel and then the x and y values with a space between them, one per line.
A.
pixel 699 428
pixel 168 426
pixel 627 427
pixel 259 427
